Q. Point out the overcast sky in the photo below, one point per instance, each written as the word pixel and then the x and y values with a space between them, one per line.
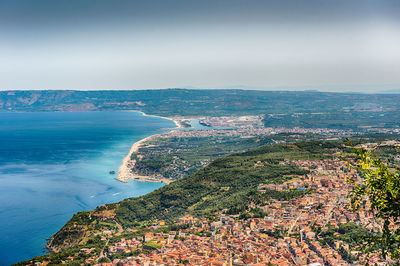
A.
pixel 127 44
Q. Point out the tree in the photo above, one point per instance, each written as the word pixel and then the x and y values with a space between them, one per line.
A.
pixel 380 187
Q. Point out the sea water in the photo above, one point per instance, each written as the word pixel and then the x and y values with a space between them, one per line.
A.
pixel 55 164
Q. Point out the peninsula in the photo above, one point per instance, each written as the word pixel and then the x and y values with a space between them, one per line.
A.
pixel 128 164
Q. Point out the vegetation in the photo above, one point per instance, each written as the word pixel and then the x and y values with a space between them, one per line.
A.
pixel 306 109
pixel 75 251
pixel 355 120
pixel 347 233
pixel 177 157
pixel 380 186
pixel 228 184
pixel 233 185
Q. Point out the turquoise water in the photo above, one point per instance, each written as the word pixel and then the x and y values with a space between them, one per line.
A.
pixel 53 165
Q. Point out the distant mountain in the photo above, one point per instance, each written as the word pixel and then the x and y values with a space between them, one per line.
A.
pixel 394 91
pixel 170 102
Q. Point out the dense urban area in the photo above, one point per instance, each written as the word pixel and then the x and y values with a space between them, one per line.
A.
pixel 282 204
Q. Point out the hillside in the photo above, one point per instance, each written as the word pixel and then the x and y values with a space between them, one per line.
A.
pixel 177 156
pixel 229 184
pixel 307 109
pixel 284 204
pixel 195 102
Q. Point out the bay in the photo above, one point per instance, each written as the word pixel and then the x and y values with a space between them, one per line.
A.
pixel 55 164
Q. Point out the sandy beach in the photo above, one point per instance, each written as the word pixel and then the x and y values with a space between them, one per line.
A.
pixel 176 121
pixel 124 171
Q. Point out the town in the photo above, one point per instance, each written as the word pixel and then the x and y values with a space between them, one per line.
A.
pixel 281 232
pixel 169 156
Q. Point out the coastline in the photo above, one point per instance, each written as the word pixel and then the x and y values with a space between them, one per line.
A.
pixel 124 171
pixel 176 121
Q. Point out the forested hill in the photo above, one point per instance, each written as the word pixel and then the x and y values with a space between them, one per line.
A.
pixel 198 102
pixel 228 184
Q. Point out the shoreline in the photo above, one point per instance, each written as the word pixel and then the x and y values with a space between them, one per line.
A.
pixel 177 123
pixel 124 171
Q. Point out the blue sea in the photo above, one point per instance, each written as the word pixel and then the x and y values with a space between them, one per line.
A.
pixel 55 164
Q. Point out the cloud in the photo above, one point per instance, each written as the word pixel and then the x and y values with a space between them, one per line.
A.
pixel 131 46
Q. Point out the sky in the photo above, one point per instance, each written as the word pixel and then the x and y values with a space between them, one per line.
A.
pixel 335 45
